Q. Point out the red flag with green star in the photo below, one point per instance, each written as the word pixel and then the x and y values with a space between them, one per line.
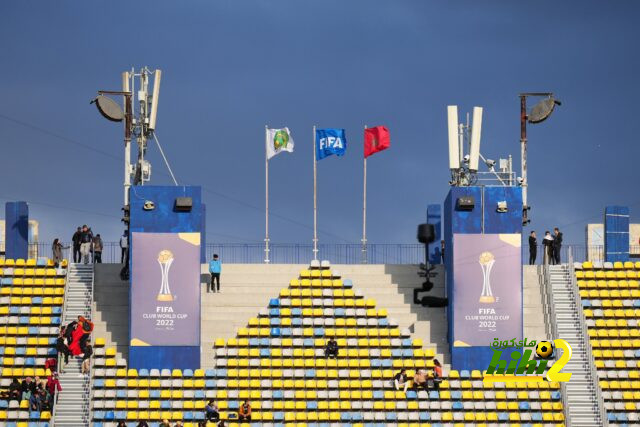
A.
pixel 376 139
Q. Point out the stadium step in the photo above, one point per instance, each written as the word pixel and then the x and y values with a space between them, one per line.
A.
pixel 72 406
pixel 583 407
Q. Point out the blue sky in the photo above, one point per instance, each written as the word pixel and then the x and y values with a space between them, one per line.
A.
pixel 230 67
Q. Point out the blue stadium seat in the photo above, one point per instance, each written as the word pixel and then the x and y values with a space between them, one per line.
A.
pixel 275 332
pixel 275 321
pixel 143 373
pixel 254 342
pixel 391 416
pixel 503 416
pixel 210 384
pixel 536 416
pixel 312 405
pixel 457 406
pixel 274 302
pixel 424 416
pixel 347 283
pixel 274 312
pixel 411 394
pixel 296 312
pixel 524 406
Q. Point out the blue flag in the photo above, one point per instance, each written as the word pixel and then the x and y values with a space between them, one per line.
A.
pixel 330 141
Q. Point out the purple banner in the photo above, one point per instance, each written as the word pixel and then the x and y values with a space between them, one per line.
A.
pixel 487 289
pixel 165 289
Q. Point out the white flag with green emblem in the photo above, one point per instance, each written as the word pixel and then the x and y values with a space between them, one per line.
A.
pixel 278 140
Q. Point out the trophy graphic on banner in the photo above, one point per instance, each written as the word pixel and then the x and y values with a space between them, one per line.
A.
pixel 165 259
pixel 486 261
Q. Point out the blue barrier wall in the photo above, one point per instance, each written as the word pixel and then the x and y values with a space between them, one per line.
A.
pixel 164 219
pixel 482 219
pixel 203 234
pixel 16 233
pixel 434 216
pixel 616 233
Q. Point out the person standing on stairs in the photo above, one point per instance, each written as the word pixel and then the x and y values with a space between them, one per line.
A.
pixel 557 245
pixel 533 248
pixel 76 244
pixel 87 352
pixel 97 249
pixel 124 246
pixel 215 268
pixel 86 239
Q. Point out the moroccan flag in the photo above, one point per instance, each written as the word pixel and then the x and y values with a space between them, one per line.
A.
pixel 376 139
pixel 279 140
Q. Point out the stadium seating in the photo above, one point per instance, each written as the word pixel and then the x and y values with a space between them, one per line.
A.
pixel 610 296
pixel 31 302
pixel 278 363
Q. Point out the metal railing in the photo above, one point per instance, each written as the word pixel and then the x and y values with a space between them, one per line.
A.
pixel 550 319
pixel 587 342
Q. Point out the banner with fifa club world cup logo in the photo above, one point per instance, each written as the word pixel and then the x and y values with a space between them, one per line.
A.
pixel 165 289
pixel 487 293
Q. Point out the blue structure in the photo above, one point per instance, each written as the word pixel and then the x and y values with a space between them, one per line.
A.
pixel 16 230
pixel 434 216
pixel 616 233
pixel 203 234
pixel 164 218
pixel 482 219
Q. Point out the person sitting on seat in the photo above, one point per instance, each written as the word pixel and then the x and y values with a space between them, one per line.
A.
pixel 437 374
pixel 420 379
pixel 211 412
pixel 244 413
pixel 400 380
pixel 331 350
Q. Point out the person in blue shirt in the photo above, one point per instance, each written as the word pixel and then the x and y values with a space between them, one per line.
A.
pixel 215 268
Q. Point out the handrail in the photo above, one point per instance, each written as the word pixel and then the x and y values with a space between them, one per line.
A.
pixel 90 391
pixel 64 310
pixel 554 334
pixel 587 342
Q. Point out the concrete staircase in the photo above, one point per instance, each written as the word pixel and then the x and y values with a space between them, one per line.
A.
pixel 532 307
pixel 582 404
pixel 247 288
pixel 111 308
pixel 72 407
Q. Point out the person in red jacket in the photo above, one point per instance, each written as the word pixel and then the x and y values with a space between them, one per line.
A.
pixel 53 387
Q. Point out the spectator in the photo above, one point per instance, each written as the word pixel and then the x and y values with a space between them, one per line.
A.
pixel 442 250
pixel 15 390
pixel 87 351
pixel 178 424
pixel 533 248
pixel 87 327
pixel 437 374
pixel 122 424
pixel 62 349
pixel 86 238
pixel 51 364
pixel 211 412
pixel 143 424
pixel 56 250
pixel 557 245
pixel 221 424
pixel 68 332
pixel 244 412
pixel 420 379
pixel 53 387
pixel 28 387
pixel 97 249
pixel 77 334
pixel 124 246
pixel 165 423
pixel 215 268
pixel 76 244
pixel 400 380
pixel 35 403
pixel 547 243
pixel 331 350
pixel 202 424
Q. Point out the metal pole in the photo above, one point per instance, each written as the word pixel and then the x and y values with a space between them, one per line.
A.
pixel 364 211
pixel 315 199
pixel 127 137
pixel 266 196
pixel 523 155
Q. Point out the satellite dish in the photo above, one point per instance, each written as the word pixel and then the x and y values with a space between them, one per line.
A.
pixel 109 108
pixel 542 110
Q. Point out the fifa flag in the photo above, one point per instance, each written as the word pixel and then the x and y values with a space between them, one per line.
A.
pixel 330 141
pixel 376 139
pixel 278 140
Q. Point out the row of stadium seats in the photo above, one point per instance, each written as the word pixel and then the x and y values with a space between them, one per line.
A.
pixel 278 363
pixel 31 262
pixel 611 305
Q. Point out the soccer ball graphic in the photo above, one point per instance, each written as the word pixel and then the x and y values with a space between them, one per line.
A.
pixel 544 349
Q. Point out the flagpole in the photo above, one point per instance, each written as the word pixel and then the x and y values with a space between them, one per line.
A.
pixel 266 195
pixel 364 211
pixel 315 199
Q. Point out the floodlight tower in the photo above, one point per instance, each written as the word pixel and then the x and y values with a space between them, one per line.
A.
pixel 539 113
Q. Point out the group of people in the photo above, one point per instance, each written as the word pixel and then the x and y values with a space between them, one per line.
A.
pixel 422 378
pixel 39 393
pixel 166 423
pixel 75 340
pixel 552 244
pixel 87 247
